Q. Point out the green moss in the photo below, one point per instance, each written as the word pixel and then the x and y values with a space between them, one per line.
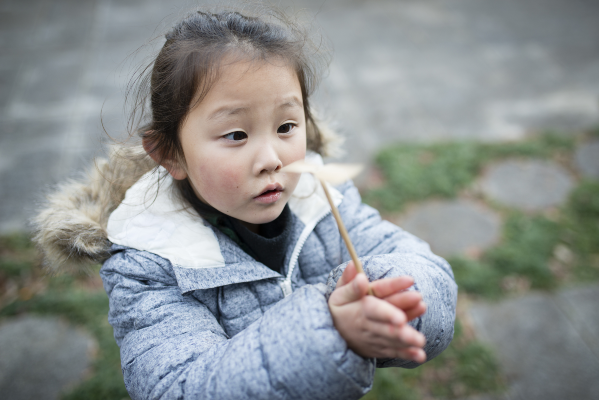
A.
pixel 17 255
pixel 394 384
pixel 543 146
pixel 476 277
pixel 464 369
pixel 581 226
pixel 594 132
pixel 526 249
pixel 527 246
pixel 415 172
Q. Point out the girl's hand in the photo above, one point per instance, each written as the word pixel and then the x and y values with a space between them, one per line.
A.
pixel 377 327
pixel 392 290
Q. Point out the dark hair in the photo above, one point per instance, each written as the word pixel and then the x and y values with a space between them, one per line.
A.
pixel 188 65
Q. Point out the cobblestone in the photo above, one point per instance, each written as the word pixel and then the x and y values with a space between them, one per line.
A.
pixel 527 184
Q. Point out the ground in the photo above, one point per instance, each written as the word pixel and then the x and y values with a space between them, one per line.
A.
pixel 459 91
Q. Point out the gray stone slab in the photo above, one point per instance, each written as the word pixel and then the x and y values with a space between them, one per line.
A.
pixel 134 20
pixel 48 85
pixel 66 24
pixel 31 159
pixel 580 305
pixel 18 24
pixel 458 69
pixel 527 184
pixel 453 227
pixel 42 356
pixel 540 350
pixel 8 75
pixel 587 159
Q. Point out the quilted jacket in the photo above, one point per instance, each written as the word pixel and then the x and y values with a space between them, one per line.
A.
pixel 196 317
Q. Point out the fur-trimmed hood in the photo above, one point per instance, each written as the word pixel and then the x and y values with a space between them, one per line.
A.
pixel 70 229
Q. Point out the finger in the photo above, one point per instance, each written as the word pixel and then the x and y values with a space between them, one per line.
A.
pixel 416 312
pixel 382 311
pixel 412 353
pixel 404 300
pixel 348 275
pixel 407 353
pixel 386 287
pixel 418 355
pixel 349 293
pixel 389 335
pixel 411 337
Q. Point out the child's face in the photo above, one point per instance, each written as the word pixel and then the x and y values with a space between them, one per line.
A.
pixel 235 141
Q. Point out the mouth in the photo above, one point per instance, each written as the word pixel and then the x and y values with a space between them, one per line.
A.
pixel 270 194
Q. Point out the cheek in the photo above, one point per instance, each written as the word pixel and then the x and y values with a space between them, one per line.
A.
pixel 296 150
pixel 218 181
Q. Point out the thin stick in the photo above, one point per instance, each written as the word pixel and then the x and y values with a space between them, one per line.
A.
pixel 344 234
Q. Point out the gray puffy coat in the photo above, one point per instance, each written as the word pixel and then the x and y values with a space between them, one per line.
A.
pixel 197 318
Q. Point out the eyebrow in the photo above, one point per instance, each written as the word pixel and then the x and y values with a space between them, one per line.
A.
pixel 292 102
pixel 228 111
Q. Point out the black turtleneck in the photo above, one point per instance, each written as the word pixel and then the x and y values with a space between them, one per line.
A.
pixel 268 246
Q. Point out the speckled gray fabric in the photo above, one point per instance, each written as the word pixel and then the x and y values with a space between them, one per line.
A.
pixel 230 333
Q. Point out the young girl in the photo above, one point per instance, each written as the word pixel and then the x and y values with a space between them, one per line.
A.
pixel 228 278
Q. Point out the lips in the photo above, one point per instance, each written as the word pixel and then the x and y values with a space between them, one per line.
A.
pixel 270 193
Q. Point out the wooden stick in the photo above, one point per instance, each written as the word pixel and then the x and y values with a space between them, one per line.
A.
pixel 344 234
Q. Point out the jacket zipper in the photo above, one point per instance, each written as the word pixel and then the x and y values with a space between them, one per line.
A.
pixel 286 283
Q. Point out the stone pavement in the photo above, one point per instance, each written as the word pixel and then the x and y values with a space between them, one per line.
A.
pixel 454 227
pixel 40 357
pixel 527 184
pixel 587 159
pixel 548 345
pixel 403 70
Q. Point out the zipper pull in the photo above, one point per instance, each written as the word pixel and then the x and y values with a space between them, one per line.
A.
pixel 286 287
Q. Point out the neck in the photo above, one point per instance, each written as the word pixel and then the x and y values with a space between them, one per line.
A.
pixel 255 228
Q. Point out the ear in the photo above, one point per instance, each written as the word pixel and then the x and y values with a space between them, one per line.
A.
pixel 172 166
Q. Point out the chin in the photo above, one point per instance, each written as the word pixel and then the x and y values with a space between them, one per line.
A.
pixel 268 216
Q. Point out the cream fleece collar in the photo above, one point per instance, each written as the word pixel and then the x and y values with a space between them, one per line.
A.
pixel 152 219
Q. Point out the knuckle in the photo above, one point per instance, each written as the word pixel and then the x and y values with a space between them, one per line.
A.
pixel 367 304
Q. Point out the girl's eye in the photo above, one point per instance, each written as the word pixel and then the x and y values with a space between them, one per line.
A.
pixel 286 128
pixel 236 136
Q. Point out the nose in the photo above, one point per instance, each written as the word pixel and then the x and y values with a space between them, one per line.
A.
pixel 267 159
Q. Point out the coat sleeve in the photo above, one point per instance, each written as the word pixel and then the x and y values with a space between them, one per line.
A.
pixel 172 346
pixel 388 251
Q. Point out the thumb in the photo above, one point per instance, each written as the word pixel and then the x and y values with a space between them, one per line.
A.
pixel 348 274
pixel 351 292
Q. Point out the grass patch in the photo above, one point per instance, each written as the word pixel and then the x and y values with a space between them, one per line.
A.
pixel 581 231
pixel 78 299
pixel 537 252
pixel 527 246
pixel 465 368
pixel 17 256
pixel 415 172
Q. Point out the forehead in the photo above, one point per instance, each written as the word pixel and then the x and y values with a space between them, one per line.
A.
pixel 254 81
